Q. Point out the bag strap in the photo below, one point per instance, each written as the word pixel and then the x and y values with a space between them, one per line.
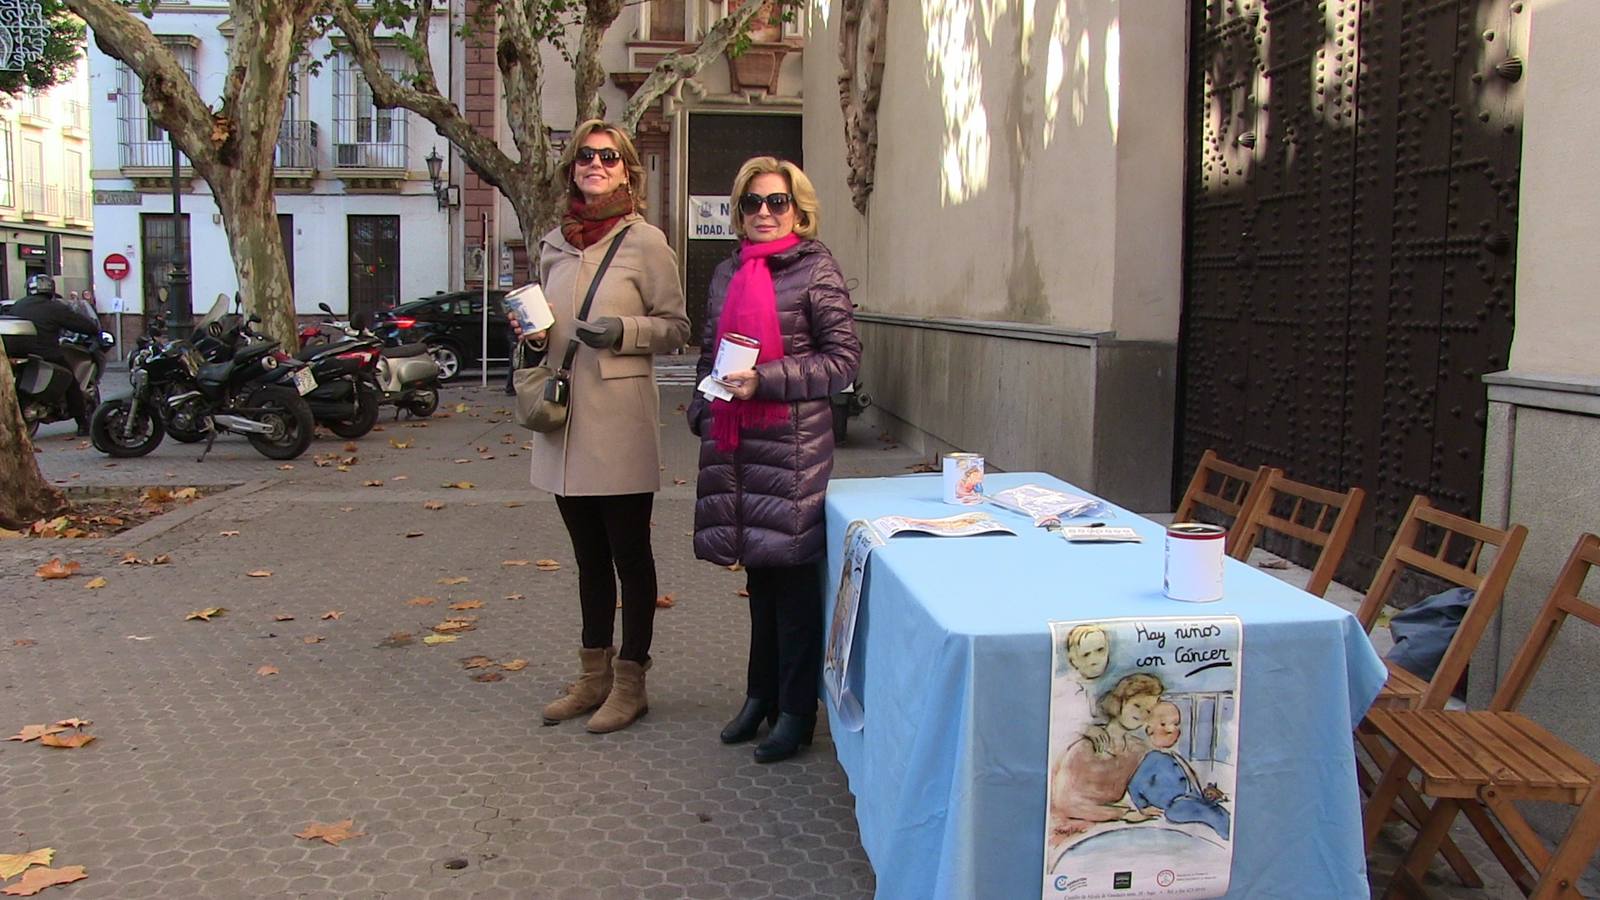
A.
pixel 594 287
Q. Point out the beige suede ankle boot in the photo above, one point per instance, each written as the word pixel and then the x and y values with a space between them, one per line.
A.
pixel 589 691
pixel 625 703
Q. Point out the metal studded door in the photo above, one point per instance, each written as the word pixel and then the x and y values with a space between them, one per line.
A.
pixel 1352 171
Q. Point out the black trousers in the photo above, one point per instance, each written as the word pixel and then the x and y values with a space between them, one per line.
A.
pixel 786 636
pixel 611 540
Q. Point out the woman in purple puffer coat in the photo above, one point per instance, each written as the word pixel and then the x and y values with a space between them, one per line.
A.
pixel 766 454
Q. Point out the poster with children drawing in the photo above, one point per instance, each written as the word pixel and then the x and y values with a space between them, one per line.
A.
pixel 860 539
pixel 1142 772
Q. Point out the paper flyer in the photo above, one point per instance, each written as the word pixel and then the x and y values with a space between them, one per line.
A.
pixel 860 539
pixel 1143 757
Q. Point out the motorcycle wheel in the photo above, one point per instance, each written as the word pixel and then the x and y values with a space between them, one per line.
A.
pixel 291 418
pixel 423 403
pixel 105 429
pixel 366 415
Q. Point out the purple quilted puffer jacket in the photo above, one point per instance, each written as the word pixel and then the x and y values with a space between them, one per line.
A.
pixel 762 505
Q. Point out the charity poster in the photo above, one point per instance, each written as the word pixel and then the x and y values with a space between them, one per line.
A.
pixel 860 539
pixel 1143 757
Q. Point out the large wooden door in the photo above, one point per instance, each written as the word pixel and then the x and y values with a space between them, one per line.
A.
pixel 718 145
pixel 1352 184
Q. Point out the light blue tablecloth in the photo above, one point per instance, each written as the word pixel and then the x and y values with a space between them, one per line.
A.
pixel 952 663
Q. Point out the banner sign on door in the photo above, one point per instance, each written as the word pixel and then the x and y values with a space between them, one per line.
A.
pixel 710 218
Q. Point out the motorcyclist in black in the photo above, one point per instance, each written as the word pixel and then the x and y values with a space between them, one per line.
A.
pixel 50 316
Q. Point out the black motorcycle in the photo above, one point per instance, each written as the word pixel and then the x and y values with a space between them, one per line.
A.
pixel 43 386
pixel 172 382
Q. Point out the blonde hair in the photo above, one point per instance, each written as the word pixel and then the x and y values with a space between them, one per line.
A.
pixel 807 218
pixel 1078 633
pixel 630 158
pixel 1131 686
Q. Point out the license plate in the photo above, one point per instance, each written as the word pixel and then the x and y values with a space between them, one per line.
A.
pixel 304 381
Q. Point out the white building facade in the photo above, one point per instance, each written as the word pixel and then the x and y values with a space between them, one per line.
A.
pixel 363 228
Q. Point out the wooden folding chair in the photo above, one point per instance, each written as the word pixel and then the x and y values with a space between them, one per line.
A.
pixel 1229 490
pixel 1458 538
pixel 1481 762
pixel 1320 517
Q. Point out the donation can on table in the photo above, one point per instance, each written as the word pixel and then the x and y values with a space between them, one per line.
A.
pixel 1194 561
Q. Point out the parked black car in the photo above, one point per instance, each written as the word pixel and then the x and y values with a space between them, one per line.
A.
pixel 450 325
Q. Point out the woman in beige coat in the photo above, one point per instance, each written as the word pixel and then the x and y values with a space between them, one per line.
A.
pixel 604 466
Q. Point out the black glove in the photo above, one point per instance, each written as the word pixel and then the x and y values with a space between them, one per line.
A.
pixel 602 334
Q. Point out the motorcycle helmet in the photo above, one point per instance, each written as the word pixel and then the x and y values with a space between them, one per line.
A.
pixel 41 284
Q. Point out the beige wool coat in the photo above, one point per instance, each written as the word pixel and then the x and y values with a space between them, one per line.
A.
pixel 611 443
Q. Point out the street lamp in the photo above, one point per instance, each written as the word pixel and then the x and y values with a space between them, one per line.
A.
pixel 180 311
pixel 448 195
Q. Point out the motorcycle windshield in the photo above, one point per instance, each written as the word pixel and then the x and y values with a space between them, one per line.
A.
pixel 214 314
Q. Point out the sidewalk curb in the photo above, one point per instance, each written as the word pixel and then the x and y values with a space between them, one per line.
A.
pixel 162 524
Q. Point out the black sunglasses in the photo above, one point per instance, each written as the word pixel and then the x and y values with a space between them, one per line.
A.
pixel 777 204
pixel 608 157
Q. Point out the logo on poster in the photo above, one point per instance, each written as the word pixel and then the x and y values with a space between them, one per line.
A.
pixel 710 217
pixel 1122 881
pixel 1166 877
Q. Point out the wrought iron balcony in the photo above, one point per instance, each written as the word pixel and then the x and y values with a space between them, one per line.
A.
pixel 41 201
pixel 77 116
pixel 77 204
pixel 139 154
pixel 364 155
pixel 297 145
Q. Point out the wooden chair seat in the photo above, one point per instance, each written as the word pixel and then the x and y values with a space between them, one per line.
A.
pixel 1403 689
pixel 1460 752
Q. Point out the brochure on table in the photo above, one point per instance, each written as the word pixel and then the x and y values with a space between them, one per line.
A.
pixel 1046 506
pixel 1143 757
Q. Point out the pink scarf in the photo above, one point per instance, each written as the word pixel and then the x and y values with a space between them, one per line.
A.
pixel 751 310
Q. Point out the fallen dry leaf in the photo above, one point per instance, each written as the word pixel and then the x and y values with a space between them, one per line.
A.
pixel 34 732
pixel 376 482
pixel 414 534
pixel 187 493
pixel 513 562
pixel 460 485
pixel 547 565
pixel 332 834
pixel 260 573
pixel 74 723
pixel 433 504
pixel 457 579
pixel 161 559
pixel 55 568
pixel 513 504
pixel 285 467
pixel 422 601
pixel 486 677
pixel 24 642
pixel 70 742
pixel 267 670
pixel 333 614
pixel 679 481
pixel 460 461
pixel 96 584
pixel 205 615
pixel 516 596
pixel 351 447
pixel 467 604
pixel 736 568
pixel 665 601
pixel 401 445
pixel 37 879
pixel 131 559
pixel 438 639
pixel 312 639
pixel 742 592
pixel 477 662
pixel 13 863
pixel 516 665
pixel 140 637
pixel 449 626
pixel 283 617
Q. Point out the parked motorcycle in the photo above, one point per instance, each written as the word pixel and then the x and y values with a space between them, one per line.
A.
pixel 173 382
pixel 43 386
pixel 407 376
pixel 847 404
pixel 345 398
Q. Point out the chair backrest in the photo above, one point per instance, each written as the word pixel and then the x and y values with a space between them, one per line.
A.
pixel 1458 534
pixel 1318 516
pixel 1562 602
pixel 1225 488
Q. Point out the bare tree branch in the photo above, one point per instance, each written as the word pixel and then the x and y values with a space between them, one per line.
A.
pixel 588 75
pixel 679 67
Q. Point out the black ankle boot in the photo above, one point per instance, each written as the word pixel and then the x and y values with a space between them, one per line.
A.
pixel 745 725
pixel 790 734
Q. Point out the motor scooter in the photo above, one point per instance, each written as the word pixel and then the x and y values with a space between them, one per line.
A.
pixel 407 375
pixel 43 386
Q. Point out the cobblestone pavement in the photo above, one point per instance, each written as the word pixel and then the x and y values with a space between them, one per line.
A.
pixel 203 769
